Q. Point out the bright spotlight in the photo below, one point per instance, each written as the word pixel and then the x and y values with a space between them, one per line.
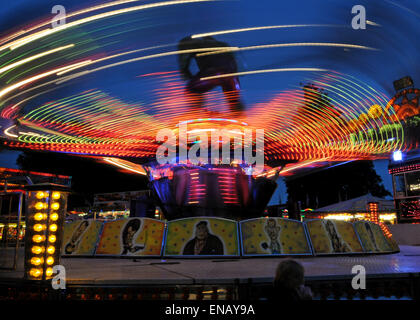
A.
pixel 397 155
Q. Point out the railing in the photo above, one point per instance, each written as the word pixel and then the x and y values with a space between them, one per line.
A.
pixel 406 287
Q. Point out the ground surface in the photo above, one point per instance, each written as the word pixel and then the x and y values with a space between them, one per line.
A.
pixel 191 271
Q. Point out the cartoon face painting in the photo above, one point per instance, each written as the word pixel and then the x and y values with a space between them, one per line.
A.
pixel 273 232
pixel 74 242
pixel 128 239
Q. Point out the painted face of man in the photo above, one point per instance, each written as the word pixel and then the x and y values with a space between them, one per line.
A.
pixel 202 232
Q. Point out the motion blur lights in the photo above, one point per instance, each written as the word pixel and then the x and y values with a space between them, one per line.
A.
pixel 397 155
pixel 37 250
pixel 35 272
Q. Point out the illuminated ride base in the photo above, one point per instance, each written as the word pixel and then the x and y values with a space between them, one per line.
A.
pixel 218 191
pixel 231 190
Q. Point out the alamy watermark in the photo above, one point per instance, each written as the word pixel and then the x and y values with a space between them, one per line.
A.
pixel 359 280
pixel 206 150
pixel 359 20
pixel 60 16
pixel 59 280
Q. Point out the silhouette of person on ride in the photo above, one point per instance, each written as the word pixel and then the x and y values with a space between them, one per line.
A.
pixel 210 65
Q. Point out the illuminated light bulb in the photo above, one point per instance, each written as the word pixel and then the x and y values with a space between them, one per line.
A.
pixel 49 272
pixel 39 205
pixel 54 217
pixel 53 227
pixel 363 118
pixel 39 216
pixel 56 195
pixel 375 111
pixel 38 238
pixel 397 155
pixel 52 238
pixel 35 272
pixel 36 261
pixel 39 227
pixel 51 249
pixel 50 260
pixel 55 206
pixel 37 250
pixel 40 195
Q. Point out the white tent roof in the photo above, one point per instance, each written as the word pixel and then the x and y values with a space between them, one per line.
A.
pixel 359 205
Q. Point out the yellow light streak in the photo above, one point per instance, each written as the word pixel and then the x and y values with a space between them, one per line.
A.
pixel 117 162
pixel 6 132
pixel 303 164
pixel 215 33
pixel 69 15
pixel 261 71
pixel 39 55
pixel 80 65
pixel 43 33
pixel 157 55
pixel 34 78
pixel 297 44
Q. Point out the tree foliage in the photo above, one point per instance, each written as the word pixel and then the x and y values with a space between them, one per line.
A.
pixel 336 184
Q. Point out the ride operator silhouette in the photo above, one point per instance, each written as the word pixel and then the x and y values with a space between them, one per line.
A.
pixel 210 65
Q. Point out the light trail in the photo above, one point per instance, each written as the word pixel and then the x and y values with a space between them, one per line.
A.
pixel 216 33
pixel 262 71
pixel 43 33
pixel 285 45
pixel 34 78
pixel 69 15
pixel 37 56
pixel 6 132
pixel 136 168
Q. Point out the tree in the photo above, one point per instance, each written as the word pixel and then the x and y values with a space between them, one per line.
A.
pixel 336 184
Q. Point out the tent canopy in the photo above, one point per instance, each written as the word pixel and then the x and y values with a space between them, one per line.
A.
pixel 359 205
